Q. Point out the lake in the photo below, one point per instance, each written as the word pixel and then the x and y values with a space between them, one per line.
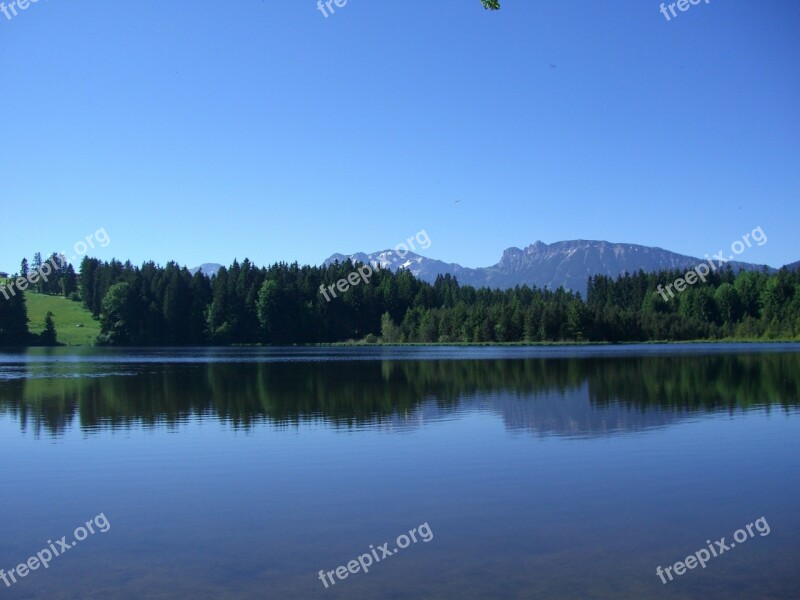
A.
pixel 506 472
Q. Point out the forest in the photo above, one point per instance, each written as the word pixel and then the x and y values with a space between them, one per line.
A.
pixel 281 304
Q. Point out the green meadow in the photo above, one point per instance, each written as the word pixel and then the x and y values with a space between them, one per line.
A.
pixel 74 324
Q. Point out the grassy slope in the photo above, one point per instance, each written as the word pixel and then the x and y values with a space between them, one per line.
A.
pixel 66 316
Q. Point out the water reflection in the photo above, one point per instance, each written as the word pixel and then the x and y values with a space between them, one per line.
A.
pixel 547 396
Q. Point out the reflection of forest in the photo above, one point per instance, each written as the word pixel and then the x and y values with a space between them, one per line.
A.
pixel 575 396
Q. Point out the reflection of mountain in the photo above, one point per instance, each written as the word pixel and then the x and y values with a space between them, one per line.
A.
pixel 572 414
pixel 569 413
pixel 569 396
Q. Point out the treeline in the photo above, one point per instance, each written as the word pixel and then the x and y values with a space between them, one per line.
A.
pixel 58 279
pixel 747 305
pixel 282 304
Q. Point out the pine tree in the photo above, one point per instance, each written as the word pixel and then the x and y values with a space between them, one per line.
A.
pixel 13 320
pixel 37 267
pixel 69 282
pixel 390 333
pixel 48 335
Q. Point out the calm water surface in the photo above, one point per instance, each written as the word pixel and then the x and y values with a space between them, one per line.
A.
pixel 565 472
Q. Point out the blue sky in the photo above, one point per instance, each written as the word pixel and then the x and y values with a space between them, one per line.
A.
pixel 202 131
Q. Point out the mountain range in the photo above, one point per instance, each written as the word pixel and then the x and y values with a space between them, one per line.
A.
pixel 568 264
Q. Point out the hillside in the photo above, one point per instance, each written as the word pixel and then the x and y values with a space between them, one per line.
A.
pixel 794 266
pixel 74 324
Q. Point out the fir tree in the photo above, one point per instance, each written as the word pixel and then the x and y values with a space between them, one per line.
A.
pixel 48 335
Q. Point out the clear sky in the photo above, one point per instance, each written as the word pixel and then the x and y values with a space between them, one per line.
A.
pixel 204 131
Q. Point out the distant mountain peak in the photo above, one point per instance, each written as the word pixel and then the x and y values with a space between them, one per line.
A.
pixel 208 269
pixel 567 263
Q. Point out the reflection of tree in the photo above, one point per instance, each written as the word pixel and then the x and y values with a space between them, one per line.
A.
pixel 347 393
pixel 697 382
